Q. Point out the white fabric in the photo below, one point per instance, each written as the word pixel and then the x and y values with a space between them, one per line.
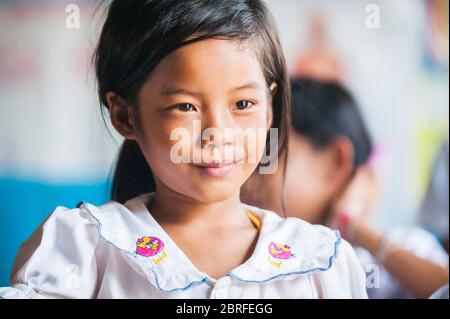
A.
pixel 90 252
pixel 414 239
pixel 441 293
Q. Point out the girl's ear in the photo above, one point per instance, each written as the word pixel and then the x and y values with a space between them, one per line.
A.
pixel 272 91
pixel 121 114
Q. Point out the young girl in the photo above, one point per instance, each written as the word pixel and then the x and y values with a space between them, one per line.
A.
pixel 174 66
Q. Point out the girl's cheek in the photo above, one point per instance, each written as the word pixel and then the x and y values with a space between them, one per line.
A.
pixel 255 146
pixel 161 127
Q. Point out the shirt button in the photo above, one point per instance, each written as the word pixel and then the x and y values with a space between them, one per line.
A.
pixel 223 282
pixel 220 294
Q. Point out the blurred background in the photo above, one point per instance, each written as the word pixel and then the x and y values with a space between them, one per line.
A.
pixel 55 148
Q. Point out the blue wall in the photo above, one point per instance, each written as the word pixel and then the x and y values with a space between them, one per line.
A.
pixel 26 203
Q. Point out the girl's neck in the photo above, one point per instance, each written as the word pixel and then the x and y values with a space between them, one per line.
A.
pixel 268 197
pixel 171 208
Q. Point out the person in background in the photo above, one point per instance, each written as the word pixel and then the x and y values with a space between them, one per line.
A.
pixel 330 179
pixel 433 214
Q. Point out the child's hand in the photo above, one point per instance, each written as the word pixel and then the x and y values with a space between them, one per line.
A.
pixel 356 201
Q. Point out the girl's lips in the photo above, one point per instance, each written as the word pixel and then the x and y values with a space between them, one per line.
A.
pixel 216 169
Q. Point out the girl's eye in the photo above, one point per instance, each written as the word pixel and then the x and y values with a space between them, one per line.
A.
pixel 242 105
pixel 185 107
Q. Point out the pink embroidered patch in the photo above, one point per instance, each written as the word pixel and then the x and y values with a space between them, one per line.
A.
pixel 149 246
pixel 280 251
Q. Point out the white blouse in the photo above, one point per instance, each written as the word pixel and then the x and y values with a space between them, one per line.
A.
pixel 120 251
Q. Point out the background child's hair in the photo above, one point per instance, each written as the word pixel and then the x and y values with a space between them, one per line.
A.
pixel 138 34
pixel 324 111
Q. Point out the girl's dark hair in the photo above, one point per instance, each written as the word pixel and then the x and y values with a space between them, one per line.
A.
pixel 324 111
pixel 138 34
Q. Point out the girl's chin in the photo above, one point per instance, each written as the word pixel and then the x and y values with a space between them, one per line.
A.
pixel 209 193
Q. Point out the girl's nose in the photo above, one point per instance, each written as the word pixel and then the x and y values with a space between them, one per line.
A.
pixel 217 128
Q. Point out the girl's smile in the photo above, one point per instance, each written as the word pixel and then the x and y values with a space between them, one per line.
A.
pixel 217 169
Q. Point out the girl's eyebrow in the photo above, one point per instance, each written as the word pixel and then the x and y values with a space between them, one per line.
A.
pixel 172 90
pixel 250 85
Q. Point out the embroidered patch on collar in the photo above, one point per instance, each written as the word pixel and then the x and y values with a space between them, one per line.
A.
pixel 149 246
pixel 280 251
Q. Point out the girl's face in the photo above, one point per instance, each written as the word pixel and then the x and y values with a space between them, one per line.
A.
pixel 215 84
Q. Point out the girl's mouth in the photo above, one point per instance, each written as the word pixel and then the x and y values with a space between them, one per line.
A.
pixel 217 169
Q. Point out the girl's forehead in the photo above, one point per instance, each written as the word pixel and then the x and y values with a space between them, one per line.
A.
pixel 217 46
pixel 210 60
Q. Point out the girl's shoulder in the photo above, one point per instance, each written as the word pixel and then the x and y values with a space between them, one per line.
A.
pixel 317 244
pixel 291 246
pixel 312 242
pixel 72 243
